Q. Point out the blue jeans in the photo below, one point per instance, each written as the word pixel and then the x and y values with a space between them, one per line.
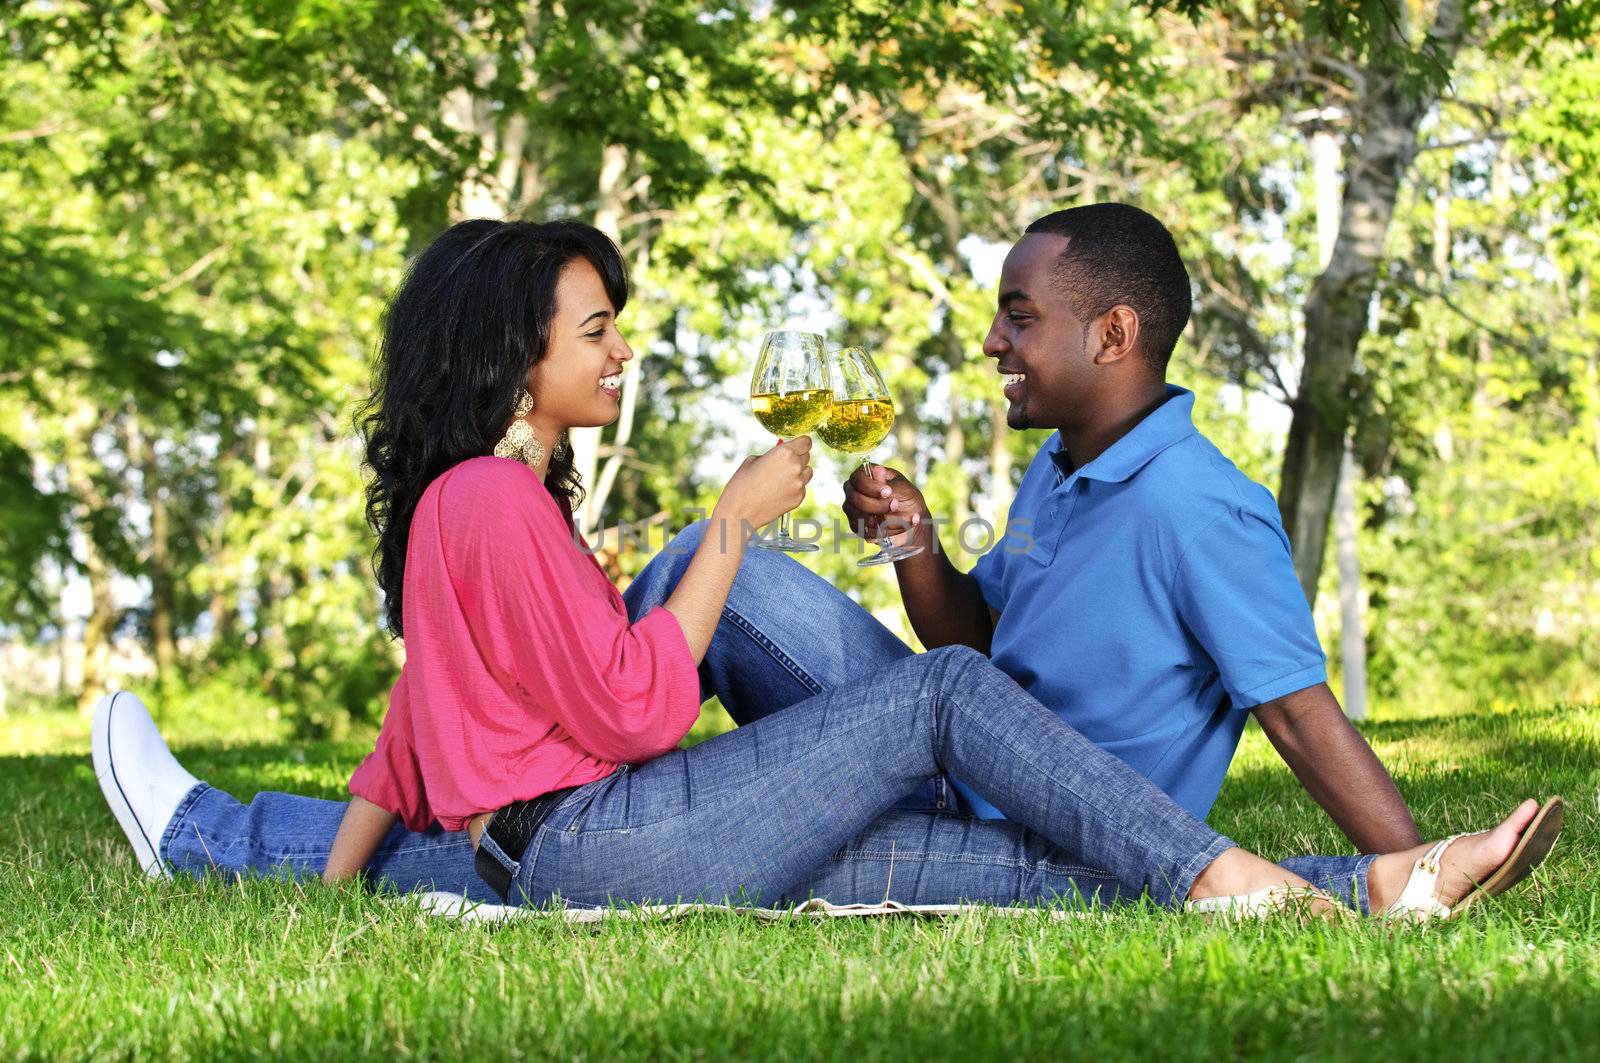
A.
pixel 751 815
pixel 786 636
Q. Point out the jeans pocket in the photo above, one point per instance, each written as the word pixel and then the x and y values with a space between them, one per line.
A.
pixel 569 815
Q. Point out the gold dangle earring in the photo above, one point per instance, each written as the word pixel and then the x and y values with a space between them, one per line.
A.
pixel 519 442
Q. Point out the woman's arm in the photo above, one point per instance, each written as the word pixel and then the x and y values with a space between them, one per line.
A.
pixel 763 488
pixel 360 833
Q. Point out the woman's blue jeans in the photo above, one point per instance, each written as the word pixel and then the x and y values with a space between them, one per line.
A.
pixel 843 796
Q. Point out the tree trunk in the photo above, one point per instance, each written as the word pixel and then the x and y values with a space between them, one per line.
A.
pixel 630 402
pixel 612 199
pixel 1346 527
pixel 955 447
pixel 63 644
pixel 265 588
pixel 224 613
pixel 97 629
pixel 907 432
pixel 935 185
pixel 1337 308
pixel 482 194
pixel 1352 633
pixel 82 469
pixel 1483 403
pixel 158 558
pixel 1594 369
pixel 1000 492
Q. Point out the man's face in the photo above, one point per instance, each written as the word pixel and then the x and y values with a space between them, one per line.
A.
pixel 1037 341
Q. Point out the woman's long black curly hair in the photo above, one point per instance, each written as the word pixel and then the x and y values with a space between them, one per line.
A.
pixel 471 317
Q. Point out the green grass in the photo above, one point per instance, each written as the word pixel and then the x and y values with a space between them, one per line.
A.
pixel 96 962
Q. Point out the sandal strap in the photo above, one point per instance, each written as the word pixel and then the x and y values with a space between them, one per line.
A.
pixel 1269 900
pixel 1419 900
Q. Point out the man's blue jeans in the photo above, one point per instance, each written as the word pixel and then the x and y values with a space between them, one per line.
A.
pixel 786 636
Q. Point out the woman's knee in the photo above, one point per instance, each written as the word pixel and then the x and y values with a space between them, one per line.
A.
pixel 936 677
pixel 957 666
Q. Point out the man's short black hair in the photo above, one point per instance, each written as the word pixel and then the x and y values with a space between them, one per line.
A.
pixel 1121 254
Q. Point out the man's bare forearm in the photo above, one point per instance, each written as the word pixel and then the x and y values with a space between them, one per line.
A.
pixel 945 606
pixel 1339 770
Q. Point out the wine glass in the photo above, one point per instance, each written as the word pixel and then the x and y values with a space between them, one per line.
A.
pixel 790 396
pixel 862 415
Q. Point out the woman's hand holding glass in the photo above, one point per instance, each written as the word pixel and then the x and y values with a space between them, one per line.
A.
pixel 766 486
pixel 790 396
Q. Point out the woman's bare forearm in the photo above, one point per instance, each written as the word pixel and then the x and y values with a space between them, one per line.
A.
pixel 701 593
pixel 362 830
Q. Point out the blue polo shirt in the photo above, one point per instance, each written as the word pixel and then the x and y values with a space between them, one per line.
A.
pixel 1155 603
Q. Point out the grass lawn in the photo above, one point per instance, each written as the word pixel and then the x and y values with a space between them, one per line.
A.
pixel 97 962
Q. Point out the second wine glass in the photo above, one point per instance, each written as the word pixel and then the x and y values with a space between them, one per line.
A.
pixel 862 414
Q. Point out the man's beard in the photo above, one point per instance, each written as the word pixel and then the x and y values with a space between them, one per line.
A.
pixel 1017 417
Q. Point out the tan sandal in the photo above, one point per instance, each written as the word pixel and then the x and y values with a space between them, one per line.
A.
pixel 1279 899
pixel 1419 900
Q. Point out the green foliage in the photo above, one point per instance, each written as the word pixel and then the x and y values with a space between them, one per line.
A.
pixel 1479 424
pixel 209 206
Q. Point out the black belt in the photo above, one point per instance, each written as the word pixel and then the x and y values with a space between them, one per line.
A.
pixel 512 828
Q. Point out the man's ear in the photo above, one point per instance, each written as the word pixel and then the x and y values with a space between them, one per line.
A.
pixel 1117 333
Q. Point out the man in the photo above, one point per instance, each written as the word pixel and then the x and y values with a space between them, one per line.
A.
pixel 1157 601
pixel 1154 608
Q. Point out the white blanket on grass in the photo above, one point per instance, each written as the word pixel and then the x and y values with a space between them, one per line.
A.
pixel 455 906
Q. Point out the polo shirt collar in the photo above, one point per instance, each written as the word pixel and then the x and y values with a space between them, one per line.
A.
pixel 1169 423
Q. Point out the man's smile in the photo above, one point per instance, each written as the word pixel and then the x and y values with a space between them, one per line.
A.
pixel 1013 383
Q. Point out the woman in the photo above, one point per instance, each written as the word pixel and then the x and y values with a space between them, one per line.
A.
pixel 534 715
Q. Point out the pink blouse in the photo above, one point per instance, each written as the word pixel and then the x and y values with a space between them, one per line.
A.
pixel 522 673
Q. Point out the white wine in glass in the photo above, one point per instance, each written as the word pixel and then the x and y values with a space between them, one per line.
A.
pixel 790 395
pixel 863 413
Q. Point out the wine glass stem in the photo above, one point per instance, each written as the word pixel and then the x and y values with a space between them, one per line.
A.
pixel 884 542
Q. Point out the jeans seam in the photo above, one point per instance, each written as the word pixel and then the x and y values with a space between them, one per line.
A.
pixel 1179 889
pixel 939 856
pixel 179 814
pixel 1363 868
pixel 486 844
pixel 1189 872
pixel 521 884
pixel 772 650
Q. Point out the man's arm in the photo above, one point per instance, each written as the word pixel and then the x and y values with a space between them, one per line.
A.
pixel 944 605
pixel 1340 771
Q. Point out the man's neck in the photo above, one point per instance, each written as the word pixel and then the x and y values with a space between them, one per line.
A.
pixel 1087 441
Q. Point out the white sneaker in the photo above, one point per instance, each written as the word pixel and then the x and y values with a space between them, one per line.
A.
pixel 141 780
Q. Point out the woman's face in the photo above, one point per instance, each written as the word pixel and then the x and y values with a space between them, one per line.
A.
pixel 578 382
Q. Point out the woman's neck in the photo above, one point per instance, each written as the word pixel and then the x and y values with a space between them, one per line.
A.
pixel 547 435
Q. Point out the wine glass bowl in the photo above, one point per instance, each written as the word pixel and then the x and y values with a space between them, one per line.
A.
pixel 860 419
pixel 790 395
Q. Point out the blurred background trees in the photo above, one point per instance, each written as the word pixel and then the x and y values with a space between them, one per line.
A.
pixel 208 205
